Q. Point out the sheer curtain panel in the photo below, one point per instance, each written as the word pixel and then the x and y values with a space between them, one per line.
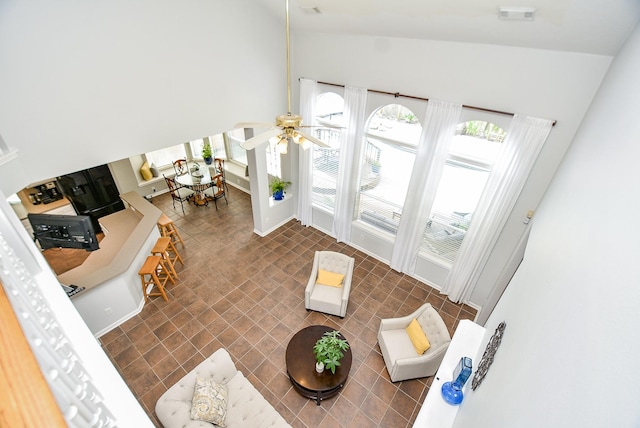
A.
pixel 308 95
pixel 523 143
pixel 437 132
pixel 355 100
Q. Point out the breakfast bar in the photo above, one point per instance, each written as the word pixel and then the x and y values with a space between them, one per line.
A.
pixel 111 292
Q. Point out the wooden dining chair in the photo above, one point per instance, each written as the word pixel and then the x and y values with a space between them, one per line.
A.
pixel 219 164
pixel 216 190
pixel 178 193
pixel 180 166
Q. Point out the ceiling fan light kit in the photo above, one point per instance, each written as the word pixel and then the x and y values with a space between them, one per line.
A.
pixel 287 125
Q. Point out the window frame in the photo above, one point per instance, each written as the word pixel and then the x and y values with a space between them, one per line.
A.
pixel 374 103
pixel 467 115
pixel 326 125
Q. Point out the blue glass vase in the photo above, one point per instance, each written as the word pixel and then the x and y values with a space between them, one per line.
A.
pixel 452 393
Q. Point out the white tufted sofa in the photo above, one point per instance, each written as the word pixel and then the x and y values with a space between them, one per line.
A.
pixel 246 407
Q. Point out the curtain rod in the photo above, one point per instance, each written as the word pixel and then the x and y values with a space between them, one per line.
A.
pixel 398 95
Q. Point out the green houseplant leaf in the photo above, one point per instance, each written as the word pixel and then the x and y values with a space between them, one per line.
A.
pixel 329 349
pixel 277 184
pixel 206 150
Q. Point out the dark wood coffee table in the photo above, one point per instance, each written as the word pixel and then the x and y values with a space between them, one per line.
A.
pixel 301 366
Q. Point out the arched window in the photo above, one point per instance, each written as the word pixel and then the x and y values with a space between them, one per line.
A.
pixel 474 149
pixel 329 108
pixel 388 153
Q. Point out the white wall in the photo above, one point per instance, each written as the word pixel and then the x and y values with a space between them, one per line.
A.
pixel 569 352
pixel 86 83
pixel 547 84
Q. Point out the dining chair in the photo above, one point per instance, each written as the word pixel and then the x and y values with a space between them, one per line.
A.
pixel 180 166
pixel 219 163
pixel 216 190
pixel 178 193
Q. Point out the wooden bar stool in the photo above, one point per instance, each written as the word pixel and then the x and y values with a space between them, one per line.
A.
pixel 153 273
pixel 167 251
pixel 167 228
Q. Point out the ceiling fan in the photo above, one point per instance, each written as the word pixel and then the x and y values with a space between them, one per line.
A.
pixel 287 126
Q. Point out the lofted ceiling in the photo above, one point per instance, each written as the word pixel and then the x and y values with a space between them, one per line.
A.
pixel 587 26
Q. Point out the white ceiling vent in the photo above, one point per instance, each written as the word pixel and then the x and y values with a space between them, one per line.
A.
pixel 517 13
pixel 313 10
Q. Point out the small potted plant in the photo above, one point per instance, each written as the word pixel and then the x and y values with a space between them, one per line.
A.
pixel 206 153
pixel 277 187
pixel 329 350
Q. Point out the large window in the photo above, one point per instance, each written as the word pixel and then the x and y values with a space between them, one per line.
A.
pixel 473 151
pixel 386 163
pixel 225 146
pixel 234 151
pixel 217 146
pixel 165 157
pixel 329 108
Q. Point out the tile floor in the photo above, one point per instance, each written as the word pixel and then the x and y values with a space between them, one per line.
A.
pixel 245 293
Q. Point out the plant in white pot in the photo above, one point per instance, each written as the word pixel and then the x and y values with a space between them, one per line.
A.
pixel 329 350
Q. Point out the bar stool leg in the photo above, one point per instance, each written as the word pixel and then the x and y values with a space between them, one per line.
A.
pixel 160 285
pixel 153 274
pixel 176 256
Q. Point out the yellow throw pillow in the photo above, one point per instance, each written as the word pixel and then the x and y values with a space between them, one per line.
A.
pixel 145 171
pixel 417 336
pixel 329 278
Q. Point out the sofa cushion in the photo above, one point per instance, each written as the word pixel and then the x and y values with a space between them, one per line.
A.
pixel 209 402
pixel 145 171
pixel 332 279
pixel 417 337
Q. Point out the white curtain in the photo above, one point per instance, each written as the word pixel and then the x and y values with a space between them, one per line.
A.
pixel 308 95
pixel 523 143
pixel 355 100
pixel 437 132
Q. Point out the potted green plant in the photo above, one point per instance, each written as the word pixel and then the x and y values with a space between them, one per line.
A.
pixel 206 153
pixel 329 350
pixel 277 187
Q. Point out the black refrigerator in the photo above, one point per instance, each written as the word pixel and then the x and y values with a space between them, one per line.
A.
pixel 92 192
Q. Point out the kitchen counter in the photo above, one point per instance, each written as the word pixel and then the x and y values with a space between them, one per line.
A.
pixel 112 291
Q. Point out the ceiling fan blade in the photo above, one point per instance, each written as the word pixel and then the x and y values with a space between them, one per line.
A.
pixel 323 126
pixel 254 142
pixel 254 125
pixel 313 139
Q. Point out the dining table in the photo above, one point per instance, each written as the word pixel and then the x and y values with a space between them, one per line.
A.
pixel 197 180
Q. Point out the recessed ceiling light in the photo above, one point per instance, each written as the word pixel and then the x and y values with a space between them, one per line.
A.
pixel 310 10
pixel 516 13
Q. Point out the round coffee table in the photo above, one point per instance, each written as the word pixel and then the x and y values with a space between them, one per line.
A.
pixel 301 366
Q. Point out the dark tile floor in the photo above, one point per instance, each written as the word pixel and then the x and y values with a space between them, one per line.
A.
pixel 246 293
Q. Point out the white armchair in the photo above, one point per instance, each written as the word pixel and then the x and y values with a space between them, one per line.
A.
pixel 400 357
pixel 325 298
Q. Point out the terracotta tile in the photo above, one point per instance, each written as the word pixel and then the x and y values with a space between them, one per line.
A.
pixel 374 407
pixel 165 367
pixel 155 354
pixel 165 330
pixel 127 356
pixel 312 414
pixel 251 304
